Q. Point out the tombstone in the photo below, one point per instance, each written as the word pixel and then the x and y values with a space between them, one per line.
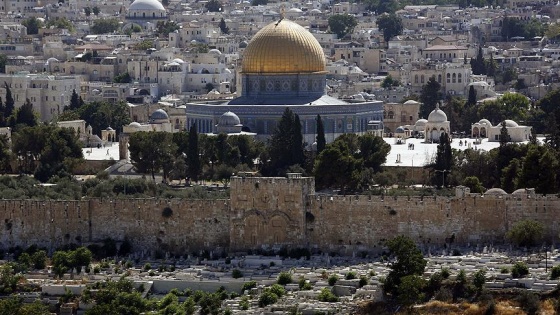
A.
pixel 485 250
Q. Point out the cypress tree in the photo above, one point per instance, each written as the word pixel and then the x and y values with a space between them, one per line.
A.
pixel 10 105
pixel 74 100
pixel 472 96
pixel 297 147
pixel 321 142
pixel 286 144
pixel 193 158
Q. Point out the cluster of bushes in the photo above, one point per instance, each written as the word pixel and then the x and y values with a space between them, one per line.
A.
pixel 27 187
pixel 109 297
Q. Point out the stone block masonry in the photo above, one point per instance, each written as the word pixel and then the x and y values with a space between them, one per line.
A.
pixel 273 212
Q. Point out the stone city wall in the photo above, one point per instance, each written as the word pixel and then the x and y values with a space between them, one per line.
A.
pixel 273 212
pixel 191 224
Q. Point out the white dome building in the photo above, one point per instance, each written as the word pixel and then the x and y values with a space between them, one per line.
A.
pixel 146 9
pixel 436 125
pixel 516 132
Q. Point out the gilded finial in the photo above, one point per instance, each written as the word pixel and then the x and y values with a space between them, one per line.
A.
pixel 282 11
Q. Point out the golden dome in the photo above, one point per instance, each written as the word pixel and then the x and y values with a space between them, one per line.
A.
pixel 283 47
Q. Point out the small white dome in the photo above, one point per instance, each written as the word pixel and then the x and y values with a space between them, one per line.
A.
pixel 495 191
pixel 229 119
pixel 178 60
pixel 215 51
pixel 134 125
pixel 437 116
pixel 485 122
pixel 421 122
pixel 411 102
pixel 511 123
pixel 159 116
pixel 143 5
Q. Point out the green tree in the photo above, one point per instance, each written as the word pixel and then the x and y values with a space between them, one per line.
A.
pixel 342 24
pixel 8 278
pixel 223 26
pixel 3 60
pixel 193 158
pixel 151 152
pixel 100 115
pixel 409 261
pixel 430 96
pixel 144 45
pixel 474 184
pixel 410 290
pixel 25 116
pixel 33 25
pixel 335 167
pixel 104 26
pixel 443 162
pixel 165 27
pixel 510 175
pixel 259 2
pixel 472 96
pixel 214 6
pixel 389 82
pixel 390 24
pixel 74 101
pixel 479 279
pixel 5 154
pixel 321 141
pixel 9 105
pixel 478 64
pixel 122 78
pixel 47 150
pixel 286 144
pixel 87 11
pixel 96 10
pixel 61 23
pixel 284 278
pixel 526 233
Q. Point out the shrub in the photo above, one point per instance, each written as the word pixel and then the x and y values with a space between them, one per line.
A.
pixel 236 274
pixel 526 233
pixel 462 277
pixel 249 285
pixel 504 270
pixel 363 281
pixel 444 295
pixel 304 285
pixel 244 304
pixel 434 284
pixel 147 266
pixel 519 270
pixel 284 278
pixel 555 274
pixel 372 273
pixel 529 302
pixel 479 279
pixel 96 270
pixel 351 275
pixel 277 289
pixel 327 296
pixel 445 273
pixel 333 279
pixel 267 298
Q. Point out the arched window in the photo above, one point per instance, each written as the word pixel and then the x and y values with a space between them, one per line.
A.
pixel 454 78
pixel 422 79
pixel 460 78
pixel 439 78
pixel 416 79
pixel 448 78
pixel 391 114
